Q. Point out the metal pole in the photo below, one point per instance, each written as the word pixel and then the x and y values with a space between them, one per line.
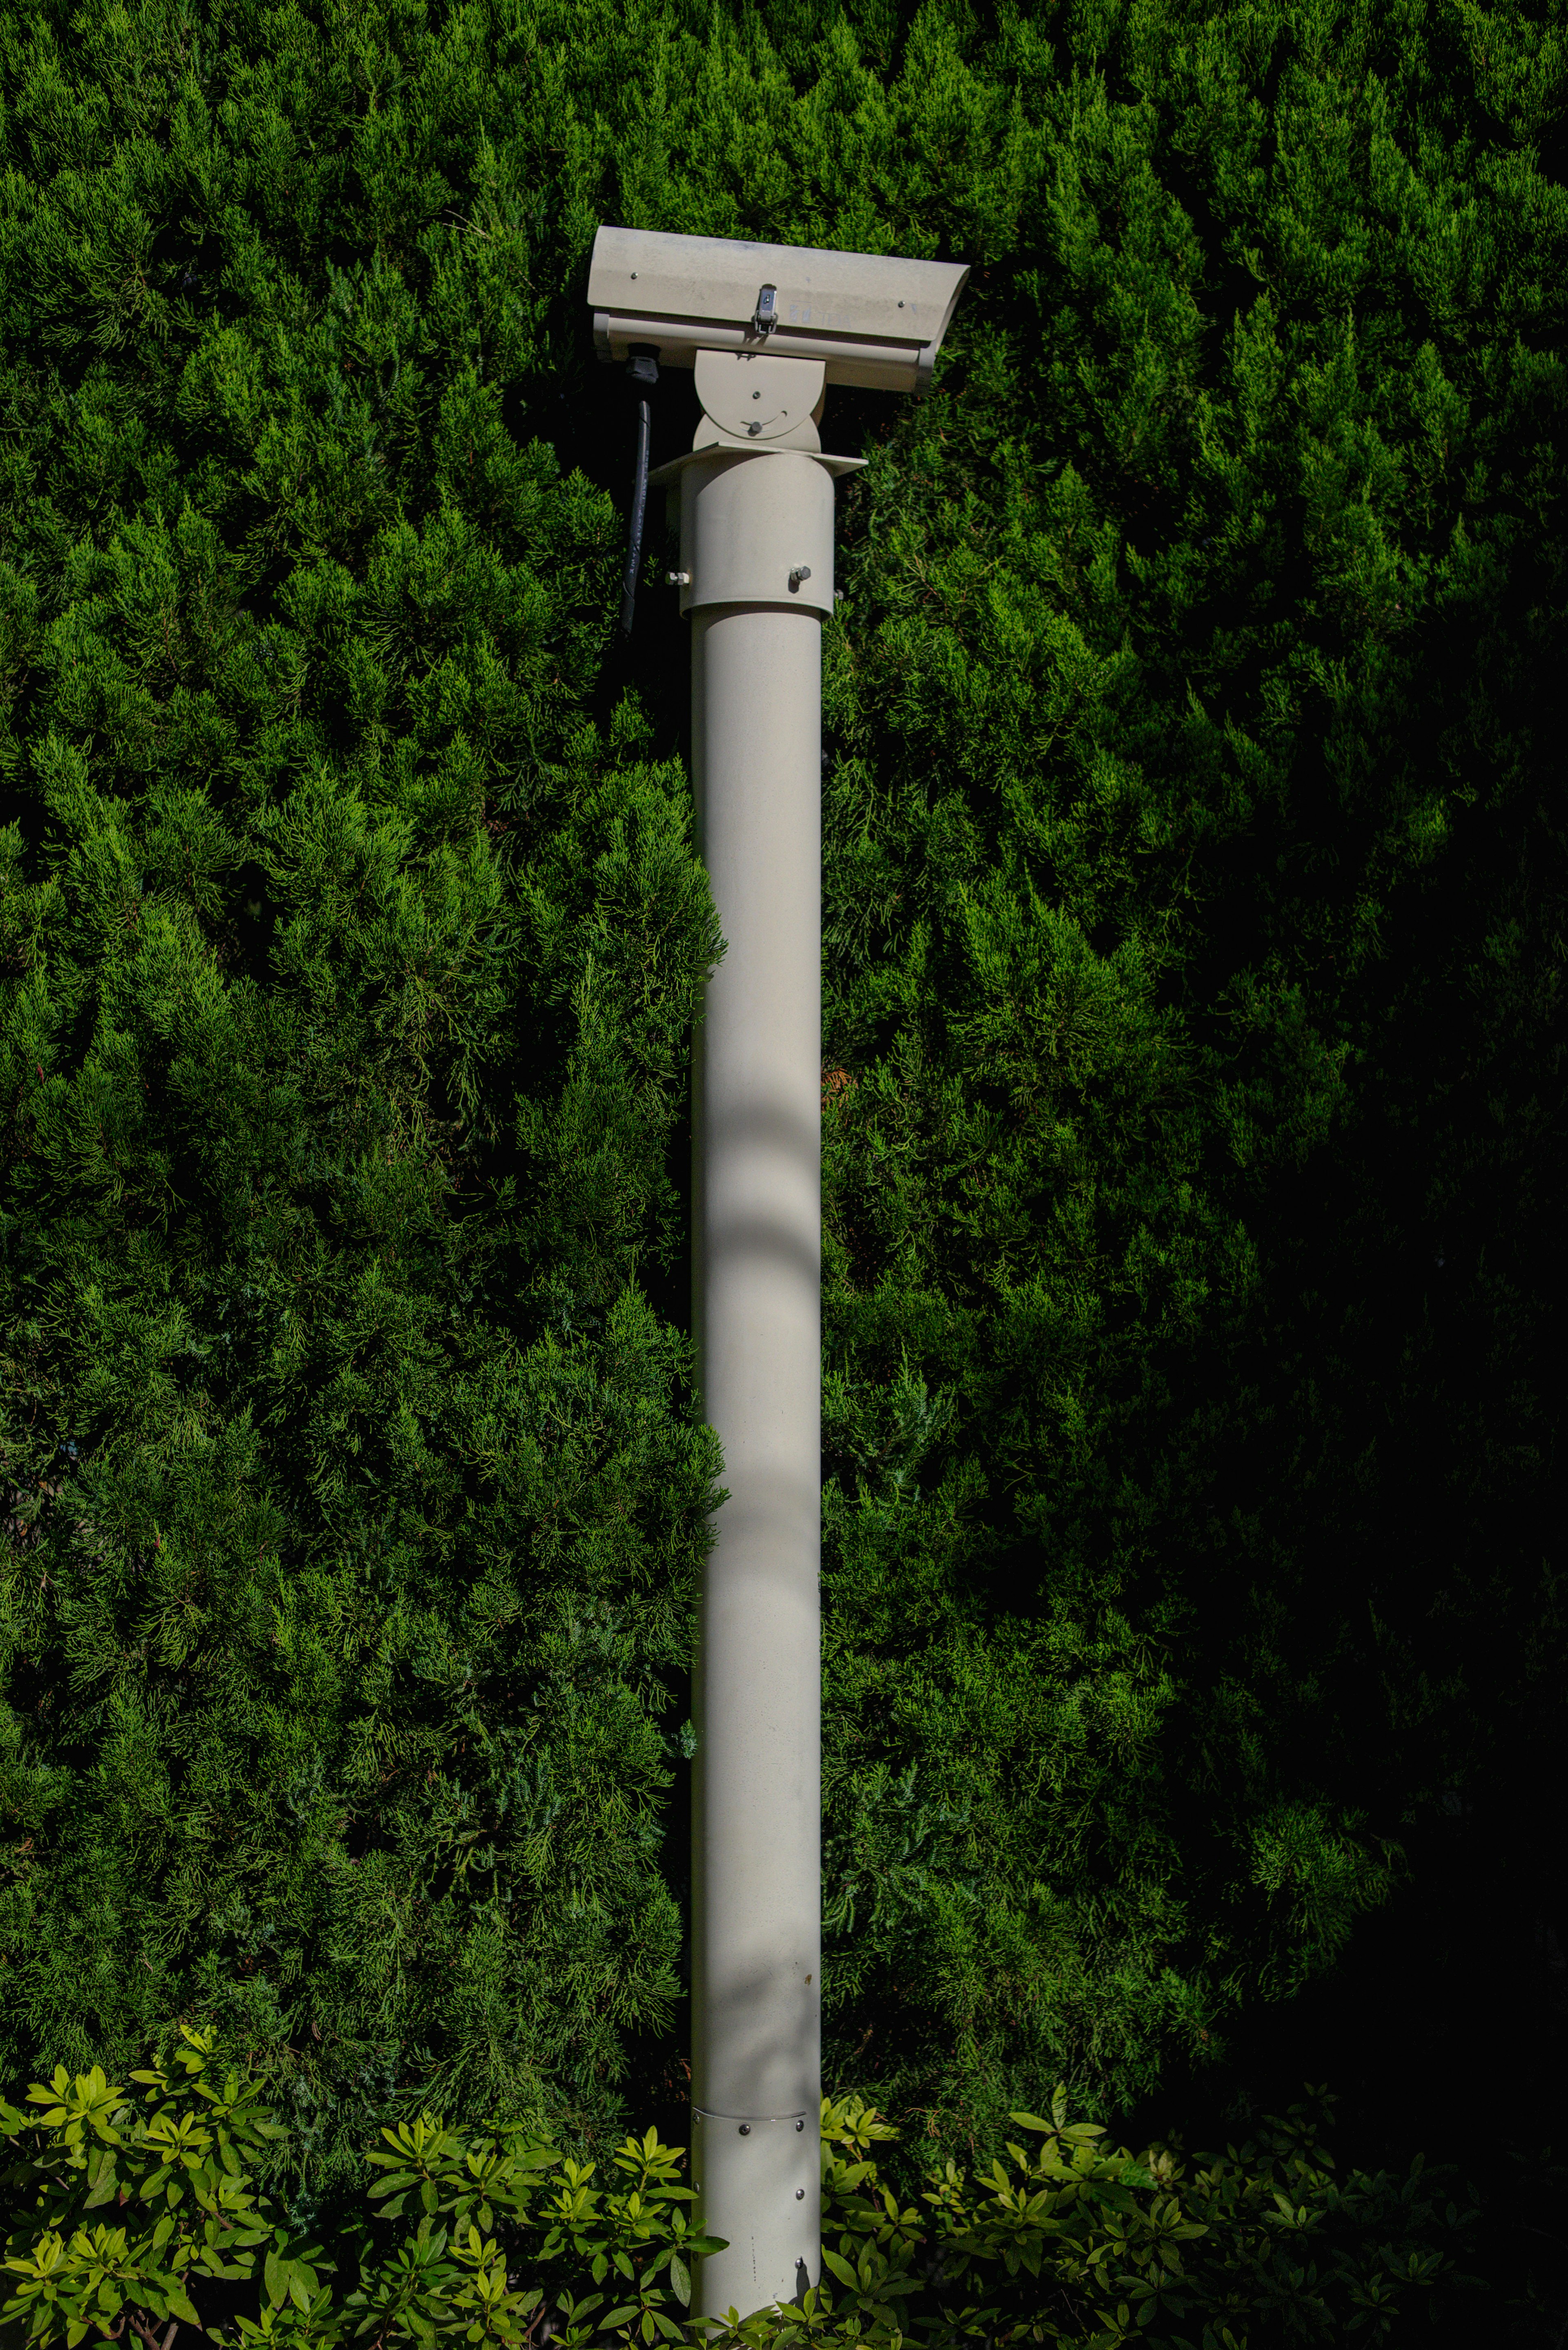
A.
pixel 762 327
pixel 754 525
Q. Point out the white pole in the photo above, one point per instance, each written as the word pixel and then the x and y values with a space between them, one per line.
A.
pixel 762 327
pixel 752 525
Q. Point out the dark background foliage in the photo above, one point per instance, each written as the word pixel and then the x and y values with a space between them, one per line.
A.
pixel 1193 1067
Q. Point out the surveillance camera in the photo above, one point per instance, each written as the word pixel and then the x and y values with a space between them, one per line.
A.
pixel 874 321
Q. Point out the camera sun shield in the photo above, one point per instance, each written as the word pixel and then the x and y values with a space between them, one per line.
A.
pixel 874 321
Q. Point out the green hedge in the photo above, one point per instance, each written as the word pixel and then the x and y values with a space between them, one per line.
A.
pixel 128 2214
pixel 1194 1035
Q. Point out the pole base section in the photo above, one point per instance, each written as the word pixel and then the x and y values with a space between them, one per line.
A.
pixel 768 2167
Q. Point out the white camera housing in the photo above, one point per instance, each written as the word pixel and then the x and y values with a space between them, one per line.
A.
pixel 874 321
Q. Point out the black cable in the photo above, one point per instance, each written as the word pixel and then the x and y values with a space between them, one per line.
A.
pixel 642 366
pixel 639 508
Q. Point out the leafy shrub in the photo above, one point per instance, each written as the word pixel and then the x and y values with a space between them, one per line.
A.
pixel 134 2216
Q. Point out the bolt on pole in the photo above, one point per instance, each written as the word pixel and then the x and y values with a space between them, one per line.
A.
pixel 764 328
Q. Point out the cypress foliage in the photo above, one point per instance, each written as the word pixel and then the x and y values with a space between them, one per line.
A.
pixel 1193 1070
pixel 1197 1051
pixel 351 966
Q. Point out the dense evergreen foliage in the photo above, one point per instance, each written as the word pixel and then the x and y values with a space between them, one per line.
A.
pixel 1193 1070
